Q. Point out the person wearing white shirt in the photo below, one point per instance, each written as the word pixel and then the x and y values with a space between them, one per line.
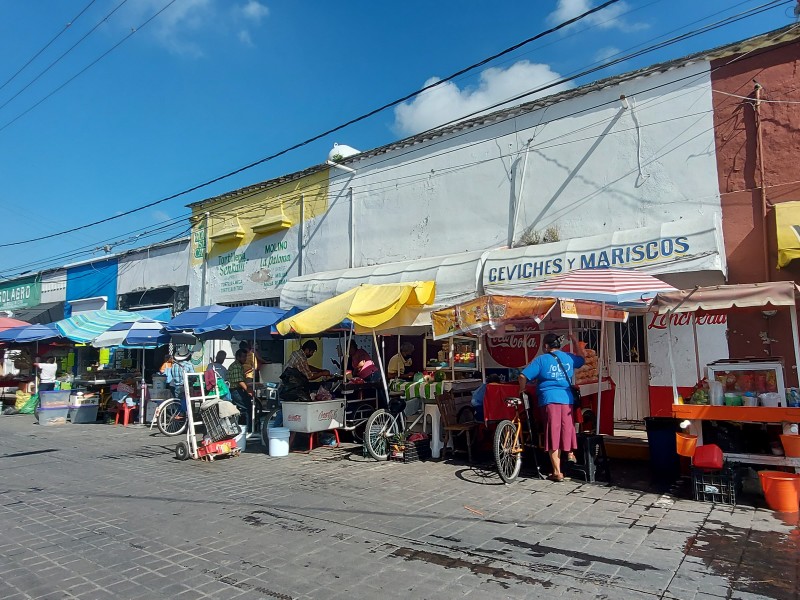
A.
pixel 47 374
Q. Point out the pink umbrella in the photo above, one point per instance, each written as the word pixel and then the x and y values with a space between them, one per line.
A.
pixel 612 286
pixel 8 323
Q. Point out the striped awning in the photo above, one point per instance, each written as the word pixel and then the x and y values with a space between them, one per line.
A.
pixel 612 286
pixel 86 326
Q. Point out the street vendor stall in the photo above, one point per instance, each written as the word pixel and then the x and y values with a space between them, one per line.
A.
pixel 369 309
pixel 746 393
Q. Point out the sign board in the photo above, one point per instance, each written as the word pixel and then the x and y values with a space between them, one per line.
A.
pixel 575 309
pixel 22 293
pixel 672 247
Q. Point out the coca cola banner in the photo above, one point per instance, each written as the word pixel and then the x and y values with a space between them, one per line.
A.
pixel 514 350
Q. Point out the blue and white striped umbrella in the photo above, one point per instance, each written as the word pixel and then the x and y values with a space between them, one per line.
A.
pixel 145 333
pixel 86 326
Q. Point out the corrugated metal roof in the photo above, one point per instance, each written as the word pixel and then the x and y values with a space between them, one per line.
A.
pixel 772 38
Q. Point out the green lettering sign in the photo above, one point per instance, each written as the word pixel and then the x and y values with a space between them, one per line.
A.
pixel 22 293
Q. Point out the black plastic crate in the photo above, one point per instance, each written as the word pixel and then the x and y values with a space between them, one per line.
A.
pixel 716 485
pixel 414 451
pixel 219 428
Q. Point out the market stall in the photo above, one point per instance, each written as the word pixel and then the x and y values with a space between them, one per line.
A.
pixel 744 397
pixel 369 309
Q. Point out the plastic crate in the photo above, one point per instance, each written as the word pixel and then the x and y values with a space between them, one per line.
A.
pixel 54 398
pixel 83 413
pixel 413 452
pixel 720 486
pixel 52 415
pixel 218 428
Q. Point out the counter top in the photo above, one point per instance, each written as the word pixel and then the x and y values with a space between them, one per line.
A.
pixel 752 414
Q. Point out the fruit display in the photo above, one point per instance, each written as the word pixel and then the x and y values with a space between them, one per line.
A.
pixel 757 382
pixel 700 393
pixel 588 372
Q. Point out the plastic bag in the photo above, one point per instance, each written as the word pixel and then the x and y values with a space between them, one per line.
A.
pixel 323 394
pixel 30 406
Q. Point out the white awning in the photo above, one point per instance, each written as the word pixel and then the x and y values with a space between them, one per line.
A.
pixel 672 248
pixel 457 277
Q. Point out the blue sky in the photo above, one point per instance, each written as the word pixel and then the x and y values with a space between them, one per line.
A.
pixel 208 86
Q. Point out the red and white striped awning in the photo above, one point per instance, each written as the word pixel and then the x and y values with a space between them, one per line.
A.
pixel 612 286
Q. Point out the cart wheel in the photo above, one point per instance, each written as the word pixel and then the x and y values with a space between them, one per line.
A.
pixel 182 451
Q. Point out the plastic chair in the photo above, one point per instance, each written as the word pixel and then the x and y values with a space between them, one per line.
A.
pixel 126 410
pixel 447 407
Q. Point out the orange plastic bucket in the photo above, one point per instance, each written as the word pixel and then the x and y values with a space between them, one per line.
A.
pixel 685 444
pixel 781 490
pixel 791 445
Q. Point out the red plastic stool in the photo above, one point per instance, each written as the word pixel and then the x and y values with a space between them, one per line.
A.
pixel 708 456
pixel 312 435
pixel 122 407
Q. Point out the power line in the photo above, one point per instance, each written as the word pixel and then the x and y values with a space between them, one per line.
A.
pixel 309 140
pixel 695 32
pixel 47 45
pixel 81 72
pixel 56 61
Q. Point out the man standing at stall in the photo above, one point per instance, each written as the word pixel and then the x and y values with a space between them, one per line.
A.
pixel 237 383
pixel 47 374
pixel 553 371
pixel 399 366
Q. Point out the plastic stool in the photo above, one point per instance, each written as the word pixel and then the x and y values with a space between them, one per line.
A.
pixel 592 457
pixel 123 407
pixel 432 410
pixel 314 434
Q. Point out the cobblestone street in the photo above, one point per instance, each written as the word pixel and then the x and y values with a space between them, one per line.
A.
pixel 95 512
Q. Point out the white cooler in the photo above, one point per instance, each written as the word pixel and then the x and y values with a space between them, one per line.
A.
pixel 313 416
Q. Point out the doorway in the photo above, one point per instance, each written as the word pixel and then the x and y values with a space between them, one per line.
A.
pixel 630 370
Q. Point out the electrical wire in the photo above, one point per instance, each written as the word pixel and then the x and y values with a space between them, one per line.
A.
pixel 751 99
pixel 309 140
pixel 727 21
pixel 56 61
pixel 47 45
pixel 86 68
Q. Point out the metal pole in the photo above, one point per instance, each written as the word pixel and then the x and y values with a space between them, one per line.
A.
pixel 204 269
pixel 672 361
pixel 142 393
pixel 600 362
pixel 302 231
pixel 352 229
pixel 793 313
pixel 696 347
pixel 380 364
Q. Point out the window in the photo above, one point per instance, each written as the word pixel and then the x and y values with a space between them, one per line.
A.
pixel 630 342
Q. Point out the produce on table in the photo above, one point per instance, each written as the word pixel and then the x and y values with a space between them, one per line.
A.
pixel 588 372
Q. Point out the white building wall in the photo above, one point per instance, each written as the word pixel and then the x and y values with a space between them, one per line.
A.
pixel 153 268
pixel 54 287
pixel 582 176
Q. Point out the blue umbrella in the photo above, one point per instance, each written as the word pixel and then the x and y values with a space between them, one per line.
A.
pixel 30 333
pixel 243 318
pixel 194 317
pixel 145 333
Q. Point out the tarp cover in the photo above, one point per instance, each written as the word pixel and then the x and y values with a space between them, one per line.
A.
pixel 724 297
pixel 369 307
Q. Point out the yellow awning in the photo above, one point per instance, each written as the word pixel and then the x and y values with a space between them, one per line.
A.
pixel 787 222
pixel 369 307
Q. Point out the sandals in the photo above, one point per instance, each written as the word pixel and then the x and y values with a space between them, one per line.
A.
pixel 571 458
pixel 554 477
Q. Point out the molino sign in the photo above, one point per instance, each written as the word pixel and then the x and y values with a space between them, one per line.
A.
pixel 20 294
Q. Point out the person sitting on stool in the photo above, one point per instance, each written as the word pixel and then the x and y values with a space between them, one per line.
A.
pixel 240 394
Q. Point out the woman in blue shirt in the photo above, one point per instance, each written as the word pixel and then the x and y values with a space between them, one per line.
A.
pixel 555 396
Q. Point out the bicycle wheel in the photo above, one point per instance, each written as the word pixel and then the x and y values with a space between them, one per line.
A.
pixel 380 427
pixel 506 455
pixel 360 415
pixel 171 418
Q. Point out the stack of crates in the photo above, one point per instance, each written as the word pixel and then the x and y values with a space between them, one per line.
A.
pixel 720 486
pixel 218 428
pixel 53 407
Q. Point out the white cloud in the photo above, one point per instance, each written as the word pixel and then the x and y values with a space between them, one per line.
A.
pixel 244 37
pixel 604 54
pixel 159 216
pixel 254 11
pixel 608 18
pixel 184 27
pixel 447 102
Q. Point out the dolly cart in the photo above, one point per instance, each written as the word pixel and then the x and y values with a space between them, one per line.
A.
pixel 220 432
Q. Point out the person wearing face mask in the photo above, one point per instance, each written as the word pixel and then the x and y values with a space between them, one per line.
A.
pixel 552 371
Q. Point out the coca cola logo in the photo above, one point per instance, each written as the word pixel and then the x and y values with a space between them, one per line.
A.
pixel 293 417
pixel 327 415
pixel 510 350
pixel 677 320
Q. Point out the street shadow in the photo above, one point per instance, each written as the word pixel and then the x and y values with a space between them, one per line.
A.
pixel 480 475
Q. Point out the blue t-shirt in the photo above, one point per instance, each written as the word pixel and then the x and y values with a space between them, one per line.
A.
pixel 552 387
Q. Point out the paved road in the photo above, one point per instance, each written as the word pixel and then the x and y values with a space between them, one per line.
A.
pixel 95 512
